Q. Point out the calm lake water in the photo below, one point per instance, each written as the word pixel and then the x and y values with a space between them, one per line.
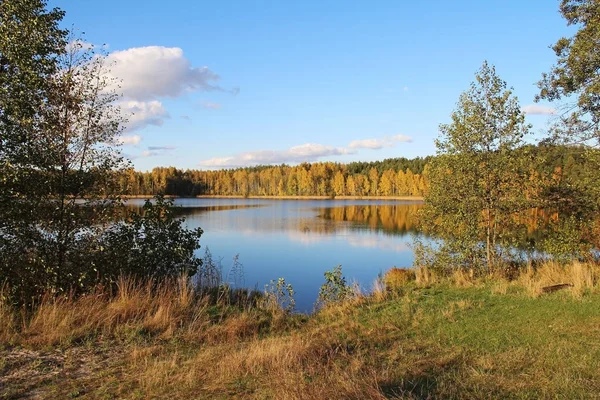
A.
pixel 301 239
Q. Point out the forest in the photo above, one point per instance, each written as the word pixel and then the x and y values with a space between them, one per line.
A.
pixel 317 179
pixel 391 177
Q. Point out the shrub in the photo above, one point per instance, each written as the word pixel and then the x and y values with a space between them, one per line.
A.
pixel 335 288
pixel 153 243
pixel 279 295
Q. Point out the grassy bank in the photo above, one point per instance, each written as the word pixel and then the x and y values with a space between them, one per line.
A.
pixel 455 337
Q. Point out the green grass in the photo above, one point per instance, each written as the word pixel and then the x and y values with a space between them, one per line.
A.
pixel 437 342
pixel 503 345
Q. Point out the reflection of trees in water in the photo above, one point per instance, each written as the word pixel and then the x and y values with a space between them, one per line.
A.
pixel 528 228
pixel 188 211
pixel 268 219
pixel 392 219
pixel 200 209
pixel 397 219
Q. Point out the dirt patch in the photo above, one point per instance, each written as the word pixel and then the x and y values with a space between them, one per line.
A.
pixel 36 374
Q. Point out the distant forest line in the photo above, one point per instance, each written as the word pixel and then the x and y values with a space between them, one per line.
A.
pixel 390 177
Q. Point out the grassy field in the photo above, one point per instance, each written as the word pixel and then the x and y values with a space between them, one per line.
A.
pixel 430 338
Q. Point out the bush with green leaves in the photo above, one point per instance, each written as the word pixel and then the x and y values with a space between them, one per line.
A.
pixel 335 288
pixel 153 243
pixel 279 295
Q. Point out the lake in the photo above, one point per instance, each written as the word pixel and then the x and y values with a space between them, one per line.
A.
pixel 301 239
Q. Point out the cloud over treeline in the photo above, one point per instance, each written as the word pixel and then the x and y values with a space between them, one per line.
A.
pixel 308 152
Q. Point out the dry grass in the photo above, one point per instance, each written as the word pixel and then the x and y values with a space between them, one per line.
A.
pixel 462 278
pixel 500 286
pixel 7 320
pixel 308 364
pixel 396 278
pixel 379 290
pixel 582 277
pixel 162 310
pixel 166 340
pixel 425 277
pixel 578 277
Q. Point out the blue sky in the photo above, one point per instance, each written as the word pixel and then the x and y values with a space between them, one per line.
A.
pixel 307 80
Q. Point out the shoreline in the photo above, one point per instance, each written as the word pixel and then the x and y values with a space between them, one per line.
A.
pixel 211 196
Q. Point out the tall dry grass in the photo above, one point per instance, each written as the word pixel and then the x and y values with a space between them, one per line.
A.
pixel 425 276
pixel 579 276
pixel 7 319
pixel 150 308
pixel 379 290
pixel 396 278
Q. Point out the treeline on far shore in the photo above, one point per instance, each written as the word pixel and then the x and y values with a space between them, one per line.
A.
pixel 392 177
pixel 316 179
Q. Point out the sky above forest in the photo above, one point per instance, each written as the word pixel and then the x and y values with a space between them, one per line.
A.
pixel 221 84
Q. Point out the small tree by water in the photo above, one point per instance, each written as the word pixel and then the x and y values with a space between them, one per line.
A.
pixel 478 181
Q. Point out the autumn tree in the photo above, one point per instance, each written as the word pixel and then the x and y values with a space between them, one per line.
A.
pixel 373 182
pixel 402 186
pixel 339 184
pixel 477 181
pixel 362 185
pixel 387 183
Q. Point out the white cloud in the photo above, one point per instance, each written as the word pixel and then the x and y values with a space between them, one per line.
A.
pixel 129 140
pixel 141 114
pixel 536 109
pixel 212 106
pixel 376 144
pixel 157 151
pixel 147 73
pixel 306 152
pixel 402 138
pixel 367 144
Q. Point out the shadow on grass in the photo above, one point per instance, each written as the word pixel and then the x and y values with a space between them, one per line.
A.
pixel 437 379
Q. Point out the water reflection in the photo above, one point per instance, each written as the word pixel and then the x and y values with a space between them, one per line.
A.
pixel 393 219
pixel 301 239
pixel 199 209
